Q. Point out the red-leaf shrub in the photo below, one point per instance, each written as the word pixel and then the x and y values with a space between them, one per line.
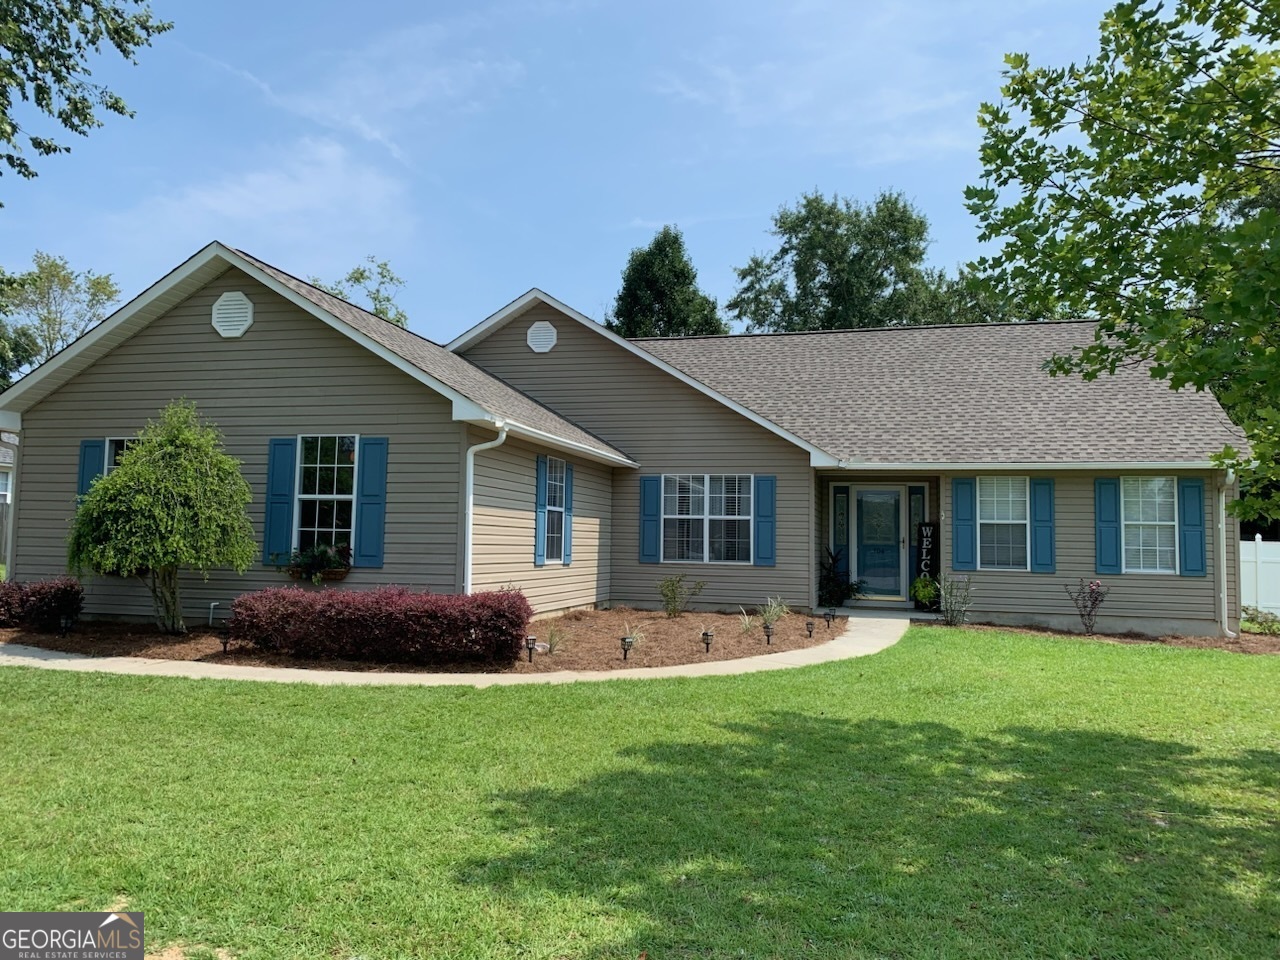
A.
pixel 40 604
pixel 389 624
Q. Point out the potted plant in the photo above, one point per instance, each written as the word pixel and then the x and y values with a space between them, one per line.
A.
pixel 320 562
pixel 924 591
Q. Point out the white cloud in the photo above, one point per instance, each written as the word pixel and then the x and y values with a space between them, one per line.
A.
pixel 881 83
pixel 395 85
pixel 311 200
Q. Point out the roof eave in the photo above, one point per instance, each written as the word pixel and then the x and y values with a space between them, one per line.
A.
pixel 860 466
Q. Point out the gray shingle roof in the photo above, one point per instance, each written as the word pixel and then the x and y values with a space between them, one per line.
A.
pixel 458 373
pixel 953 394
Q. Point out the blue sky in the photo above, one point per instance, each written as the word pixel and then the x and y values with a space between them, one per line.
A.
pixel 487 148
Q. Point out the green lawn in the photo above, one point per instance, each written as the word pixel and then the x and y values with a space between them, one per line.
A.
pixel 958 795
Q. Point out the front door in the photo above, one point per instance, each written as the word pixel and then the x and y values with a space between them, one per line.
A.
pixel 880 544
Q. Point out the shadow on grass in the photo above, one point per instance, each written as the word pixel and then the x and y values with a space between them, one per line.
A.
pixel 800 835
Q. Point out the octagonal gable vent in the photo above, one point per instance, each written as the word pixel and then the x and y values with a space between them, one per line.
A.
pixel 232 314
pixel 541 337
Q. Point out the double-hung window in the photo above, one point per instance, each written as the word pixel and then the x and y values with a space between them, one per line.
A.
pixel 116 446
pixel 1149 518
pixel 1002 523
pixel 706 518
pixel 555 510
pixel 326 490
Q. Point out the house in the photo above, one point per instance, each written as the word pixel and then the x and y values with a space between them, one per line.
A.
pixel 541 450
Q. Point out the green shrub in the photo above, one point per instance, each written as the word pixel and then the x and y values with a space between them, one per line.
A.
pixel 1262 621
pixel 174 501
pixel 676 596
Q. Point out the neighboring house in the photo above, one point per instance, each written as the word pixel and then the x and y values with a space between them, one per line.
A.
pixel 541 450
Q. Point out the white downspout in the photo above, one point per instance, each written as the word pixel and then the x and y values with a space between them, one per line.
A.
pixel 468 526
pixel 1228 480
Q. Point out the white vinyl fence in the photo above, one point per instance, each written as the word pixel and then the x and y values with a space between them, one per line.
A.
pixel 1260 574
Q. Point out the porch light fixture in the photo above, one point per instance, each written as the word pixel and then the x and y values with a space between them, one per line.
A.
pixel 627 644
pixel 529 644
pixel 828 616
pixel 707 637
pixel 808 625
pixel 768 634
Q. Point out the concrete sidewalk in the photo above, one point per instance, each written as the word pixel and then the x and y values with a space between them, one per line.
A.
pixel 867 632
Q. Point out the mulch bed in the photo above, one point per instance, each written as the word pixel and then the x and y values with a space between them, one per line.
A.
pixel 1245 643
pixel 587 640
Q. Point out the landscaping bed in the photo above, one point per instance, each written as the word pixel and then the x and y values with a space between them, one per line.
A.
pixel 1244 643
pixel 586 640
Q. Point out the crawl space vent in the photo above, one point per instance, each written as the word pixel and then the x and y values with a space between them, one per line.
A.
pixel 232 314
pixel 541 337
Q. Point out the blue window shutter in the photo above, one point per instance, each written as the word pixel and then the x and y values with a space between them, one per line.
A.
pixel 93 459
pixel 540 516
pixel 964 523
pixel 766 532
pixel 277 521
pixel 568 514
pixel 371 503
pixel 1191 559
pixel 1043 556
pixel 650 519
pixel 1106 521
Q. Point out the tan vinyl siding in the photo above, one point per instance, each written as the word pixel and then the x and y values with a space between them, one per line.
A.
pixel 289 374
pixel 1154 603
pixel 668 427
pixel 505 500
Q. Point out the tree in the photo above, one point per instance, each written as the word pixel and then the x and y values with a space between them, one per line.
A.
pixel 660 295
pixel 18 346
pixel 377 282
pixel 57 304
pixel 1137 188
pixel 45 46
pixel 174 501
pixel 840 264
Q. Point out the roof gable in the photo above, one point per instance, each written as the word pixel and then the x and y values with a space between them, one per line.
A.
pixel 477 397
pixel 818 457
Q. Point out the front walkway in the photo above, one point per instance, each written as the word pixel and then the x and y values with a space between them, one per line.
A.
pixel 868 631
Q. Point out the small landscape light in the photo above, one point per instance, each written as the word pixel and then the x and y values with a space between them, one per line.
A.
pixel 707 637
pixel 768 634
pixel 627 644
pixel 808 625
pixel 828 616
pixel 225 640
pixel 529 644
pixel 65 623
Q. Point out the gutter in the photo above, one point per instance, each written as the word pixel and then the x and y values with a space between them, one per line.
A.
pixel 470 482
pixel 1228 480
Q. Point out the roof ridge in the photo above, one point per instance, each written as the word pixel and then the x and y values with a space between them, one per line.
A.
pixel 895 327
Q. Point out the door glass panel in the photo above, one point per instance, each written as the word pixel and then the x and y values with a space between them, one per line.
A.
pixel 840 530
pixel 880 542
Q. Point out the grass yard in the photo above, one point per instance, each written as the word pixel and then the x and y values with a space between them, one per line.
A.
pixel 961 794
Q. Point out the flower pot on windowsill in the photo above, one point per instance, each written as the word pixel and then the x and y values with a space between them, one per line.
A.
pixel 335 573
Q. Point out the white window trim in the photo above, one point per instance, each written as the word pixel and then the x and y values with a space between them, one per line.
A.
pixel 298 496
pixel 1124 528
pixel 706 518
pixel 547 559
pixel 6 495
pixel 107 465
pixel 977 513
